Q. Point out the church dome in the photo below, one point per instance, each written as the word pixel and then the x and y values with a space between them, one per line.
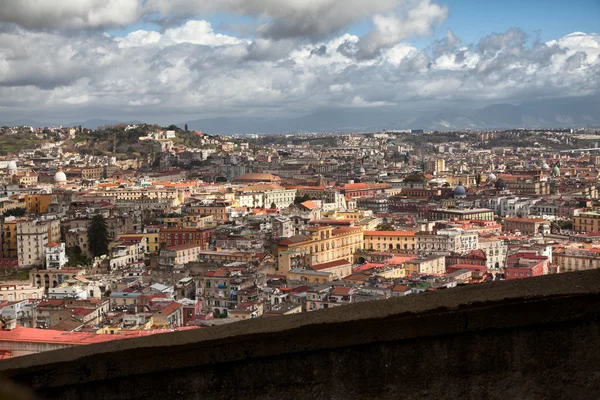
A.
pixel 545 166
pixel 60 176
pixel 460 191
pixel 492 177
pixel 360 171
pixel 556 170
pixel 11 165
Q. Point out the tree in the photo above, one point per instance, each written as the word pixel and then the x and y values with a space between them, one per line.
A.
pixel 76 257
pixel 273 205
pixel 15 212
pixel 301 199
pixel 98 235
pixel 478 179
pixel 386 226
pixel 220 179
pixel 415 177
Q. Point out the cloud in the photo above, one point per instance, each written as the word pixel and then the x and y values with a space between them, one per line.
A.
pixel 139 38
pixel 71 14
pixel 284 19
pixel 191 68
pixel 199 32
pixel 419 20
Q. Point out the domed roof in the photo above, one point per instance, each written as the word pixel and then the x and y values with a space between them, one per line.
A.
pixel 11 165
pixel 60 176
pixel 491 177
pixel 500 184
pixel 460 191
pixel 360 170
pixel 545 166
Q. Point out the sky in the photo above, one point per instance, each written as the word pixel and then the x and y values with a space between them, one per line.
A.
pixel 175 60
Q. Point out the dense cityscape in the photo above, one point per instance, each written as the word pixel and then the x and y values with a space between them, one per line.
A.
pixel 303 199
pixel 130 230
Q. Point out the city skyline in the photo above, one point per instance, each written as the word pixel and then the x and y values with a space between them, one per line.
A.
pixel 162 62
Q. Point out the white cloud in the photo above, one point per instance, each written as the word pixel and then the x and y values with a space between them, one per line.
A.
pixel 139 38
pixel 192 68
pixel 199 32
pixel 390 29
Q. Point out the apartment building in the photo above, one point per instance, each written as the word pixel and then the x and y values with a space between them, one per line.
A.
pixel 38 203
pixel 322 244
pixel 576 257
pixel 170 237
pixel 461 215
pixel 32 238
pixel 527 226
pixel 428 265
pixel 55 254
pixel 390 240
pixel 446 241
pixel 588 221
pixel 495 250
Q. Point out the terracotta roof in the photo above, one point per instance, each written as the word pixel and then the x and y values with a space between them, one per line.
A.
pixel 294 239
pixel 169 309
pixel 311 205
pixel 400 288
pixel 331 264
pixel 390 233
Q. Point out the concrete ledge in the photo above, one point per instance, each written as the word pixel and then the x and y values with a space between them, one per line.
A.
pixel 520 330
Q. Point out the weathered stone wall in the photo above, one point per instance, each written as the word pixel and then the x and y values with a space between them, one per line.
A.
pixel 535 338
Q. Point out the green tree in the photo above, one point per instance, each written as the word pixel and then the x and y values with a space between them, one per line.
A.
pixel 76 257
pixel 415 177
pixel 98 235
pixel 478 179
pixel 15 212
pixel 301 199
pixel 273 205
pixel 386 226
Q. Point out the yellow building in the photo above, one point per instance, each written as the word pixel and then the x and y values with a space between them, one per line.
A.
pixel 189 221
pixel 392 272
pixel 390 240
pixel 25 178
pixel 349 215
pixel 153 245
pixel 38 203
pixel 426 265
pixel 587 222
pixel 93 173
pixel 435 166
pixel 324 244
pixel 576 257
pixel 321 273
pixel 9 243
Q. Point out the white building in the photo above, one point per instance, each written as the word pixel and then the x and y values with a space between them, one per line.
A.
pixel 495 251
pixel 282 198
pixel 68 292
pixel 56 256
pixel 447 241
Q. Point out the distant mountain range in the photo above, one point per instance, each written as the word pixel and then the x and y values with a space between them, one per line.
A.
pixel 551 113
pixel 547 113
pixel 89 124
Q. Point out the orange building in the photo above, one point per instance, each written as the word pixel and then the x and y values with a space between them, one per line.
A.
pixel 38 203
